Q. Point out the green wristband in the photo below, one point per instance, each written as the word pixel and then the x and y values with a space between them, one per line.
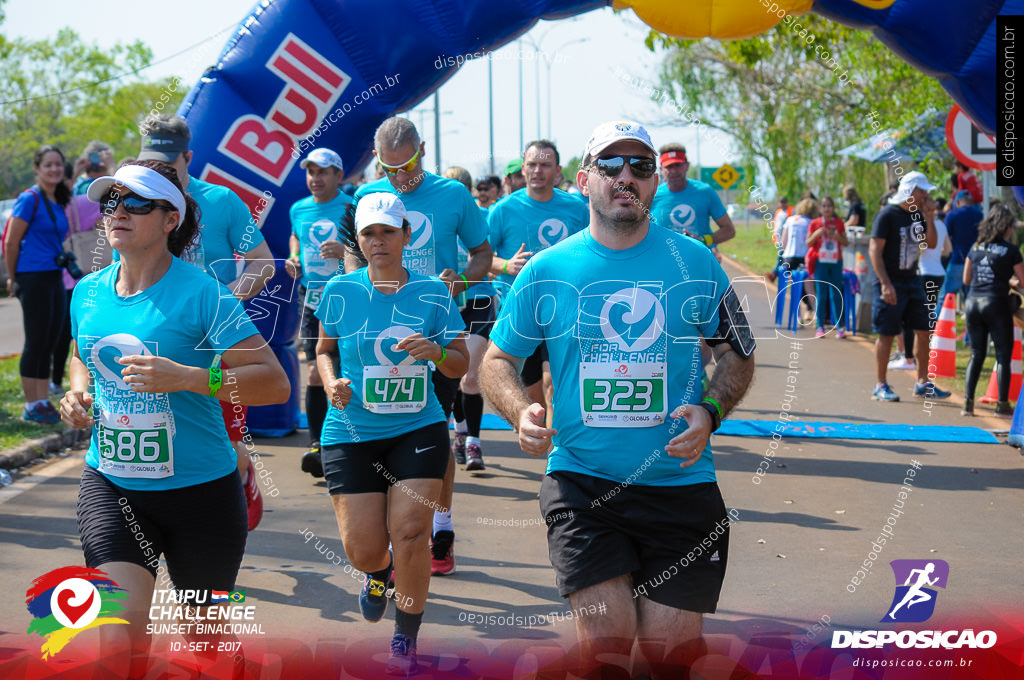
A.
pixel 465 281
pixel 444 355
pixel 718 406
pixel 215 375
pixel 504 267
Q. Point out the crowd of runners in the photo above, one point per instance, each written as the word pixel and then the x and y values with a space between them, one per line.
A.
pixel 597 321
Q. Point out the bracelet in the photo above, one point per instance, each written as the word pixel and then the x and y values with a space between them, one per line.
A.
pixel 718 407
pixel 465 281
pixel 708 240
pixel 504 267
pixel 444 355
pixel 215 375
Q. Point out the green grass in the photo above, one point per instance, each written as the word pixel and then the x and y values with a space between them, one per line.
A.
pixel 752 247
pixel 13 430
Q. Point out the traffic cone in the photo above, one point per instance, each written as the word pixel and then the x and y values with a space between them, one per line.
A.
pixel 942 354
pixel 1016 374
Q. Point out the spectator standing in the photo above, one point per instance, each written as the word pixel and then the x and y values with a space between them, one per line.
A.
pixel 826 237
pixel 33 251
pixel 96 160
pixel 967 181
pixel 991 264
pixel 857 215
pixel 962 224
pixel 793 240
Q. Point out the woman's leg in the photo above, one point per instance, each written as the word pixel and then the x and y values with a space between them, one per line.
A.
pixel 60 351
pixel 410 511
pixel 125 649
pixel 999 320
pixel 42 308
pixel 362 523
pixel 978 332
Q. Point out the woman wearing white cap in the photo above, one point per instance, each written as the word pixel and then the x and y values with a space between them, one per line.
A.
pixel 385 439
pixel 160 475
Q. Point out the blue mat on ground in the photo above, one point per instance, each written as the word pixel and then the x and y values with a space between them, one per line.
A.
pixel 832 430
pixel 489 422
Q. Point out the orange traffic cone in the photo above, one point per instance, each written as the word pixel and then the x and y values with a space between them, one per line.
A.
pixel 1016 374
pixel 942 354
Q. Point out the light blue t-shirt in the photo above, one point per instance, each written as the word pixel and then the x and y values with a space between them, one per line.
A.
pixel 155 442
pixel 690 209
pixel 226 227
pixel 518 219
pixel 613 343
pixel 313 223
pixel 368 324
pixel 44 238
pixel 440 211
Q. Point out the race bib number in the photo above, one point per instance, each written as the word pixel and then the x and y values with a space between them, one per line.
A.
pixel 136 445
pixel 829 252
pixel 313 296
pixel 394 389
pixel 623 395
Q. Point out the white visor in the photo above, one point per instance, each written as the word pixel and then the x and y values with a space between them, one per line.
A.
pixel 144 182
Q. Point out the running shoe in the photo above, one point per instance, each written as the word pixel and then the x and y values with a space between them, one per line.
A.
pixel 1004 410
pixel 373 599
pixel 311 461
pixel 968 409
pixel 253 498
pixel 820 333
pixel 841 333
pixel 402 659
pixel 43 414
pixel 928 390
pixel 902 364
pixel 459 447
pixel 884 393
pixel 442 553
pixel 474 457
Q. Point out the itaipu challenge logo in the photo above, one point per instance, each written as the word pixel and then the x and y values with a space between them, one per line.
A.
pixel 69 600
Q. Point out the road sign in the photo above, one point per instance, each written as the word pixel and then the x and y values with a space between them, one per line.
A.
pixel 725 177
pixel 971 146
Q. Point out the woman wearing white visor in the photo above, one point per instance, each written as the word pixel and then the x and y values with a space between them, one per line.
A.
pixel 385 439
pixel 148 335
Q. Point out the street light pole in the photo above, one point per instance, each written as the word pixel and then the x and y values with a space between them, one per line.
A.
pixel 521 140
pixel 437 132
pixel 490 107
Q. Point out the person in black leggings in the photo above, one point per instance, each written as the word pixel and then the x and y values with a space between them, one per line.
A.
pixel 991 264
pixel 33 244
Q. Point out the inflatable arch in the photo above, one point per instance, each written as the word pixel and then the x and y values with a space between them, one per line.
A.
pixel 296 68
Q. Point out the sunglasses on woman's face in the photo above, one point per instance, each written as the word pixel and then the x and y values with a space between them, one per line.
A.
pixel 642 167
pixel 133 205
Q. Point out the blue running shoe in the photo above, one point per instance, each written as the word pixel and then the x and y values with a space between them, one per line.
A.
pixel 42 413
pixel 884 393
pixel 402 659
pixel 928 390
pixel 373 600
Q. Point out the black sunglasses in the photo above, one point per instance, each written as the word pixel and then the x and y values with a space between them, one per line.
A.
pixel 642 167
pixel 133 205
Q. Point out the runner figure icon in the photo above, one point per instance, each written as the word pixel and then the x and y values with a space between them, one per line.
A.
pixel 915 595
pixel 916 581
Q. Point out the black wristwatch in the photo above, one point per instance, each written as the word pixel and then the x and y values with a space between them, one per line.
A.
pixel 716 420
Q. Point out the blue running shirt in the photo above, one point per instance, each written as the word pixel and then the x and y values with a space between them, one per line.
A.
pixel 518 219
pixel 391 393
pixel 146 441
pixel 690 209
pixel 441 211
pixel 313 223
pixel 623 354
pixel 225 228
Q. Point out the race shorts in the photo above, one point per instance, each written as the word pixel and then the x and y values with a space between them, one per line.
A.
pixel 479 315
pixel 200 530
pixel 672 540
pixel 910 310
pixel 374 466
pixel 533 367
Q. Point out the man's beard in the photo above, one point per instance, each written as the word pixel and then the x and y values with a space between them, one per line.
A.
pixel 615 217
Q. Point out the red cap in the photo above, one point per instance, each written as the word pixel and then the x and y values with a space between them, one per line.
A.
pixel 670 157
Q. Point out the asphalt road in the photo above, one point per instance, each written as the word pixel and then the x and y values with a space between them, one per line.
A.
pixel 804 529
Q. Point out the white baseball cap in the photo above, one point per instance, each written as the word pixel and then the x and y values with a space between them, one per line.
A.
pixel 606 134
pixel 325 158
pixel 911 181
pixel 144 182
pixel 380 208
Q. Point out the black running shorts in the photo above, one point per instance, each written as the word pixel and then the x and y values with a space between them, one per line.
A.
pixel 373 466
pixel 479 315
pixel 672 540
pixel 533 367
pixel 200 530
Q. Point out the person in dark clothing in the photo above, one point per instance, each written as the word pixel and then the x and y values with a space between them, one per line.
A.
pixel 962 224
pixel 989 270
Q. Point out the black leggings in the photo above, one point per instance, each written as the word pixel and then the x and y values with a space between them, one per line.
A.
pixel 63 346
pixel 43 307
pixel 989 316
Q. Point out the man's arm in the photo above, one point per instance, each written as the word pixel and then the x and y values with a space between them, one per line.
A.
pixel 875 248
pixel 731 378
pixel 499 374
pixel 726 230
pixel 258 270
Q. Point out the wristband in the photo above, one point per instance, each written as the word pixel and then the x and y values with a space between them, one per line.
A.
pixel 711 406
pixel 295 254
pixel 215 375
pixel 708 240
pixel 444 355
pixel 504 267
pixel 718 407
pixel 465 281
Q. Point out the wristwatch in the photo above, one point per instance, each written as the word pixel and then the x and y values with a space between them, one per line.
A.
pixel 716 420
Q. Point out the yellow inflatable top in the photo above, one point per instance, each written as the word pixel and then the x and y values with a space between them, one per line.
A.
pixel 720 19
